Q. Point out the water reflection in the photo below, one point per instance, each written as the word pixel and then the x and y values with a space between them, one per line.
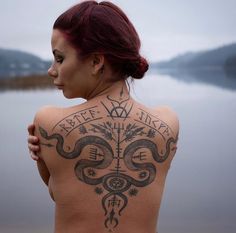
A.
pixel 200 191
pixel 26 82
pixel 218 77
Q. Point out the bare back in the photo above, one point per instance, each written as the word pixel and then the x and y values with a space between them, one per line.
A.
pixel 107 159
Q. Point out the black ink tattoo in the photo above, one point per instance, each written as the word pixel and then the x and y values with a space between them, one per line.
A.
pixel 80 144
pixel 46 144
pixel 126 164
pixel 133 192
pixel 120 108
pixel 154 123
pixel 77 120
pixel 98 190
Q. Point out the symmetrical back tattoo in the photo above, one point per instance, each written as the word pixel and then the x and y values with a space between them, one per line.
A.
pixel 122 152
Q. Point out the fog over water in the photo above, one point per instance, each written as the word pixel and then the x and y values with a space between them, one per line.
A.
pixel 166 28
pixel 200 190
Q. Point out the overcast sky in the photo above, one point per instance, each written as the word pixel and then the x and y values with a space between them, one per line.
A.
pixel 166 27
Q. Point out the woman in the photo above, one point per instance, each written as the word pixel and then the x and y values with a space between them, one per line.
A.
pixel 105 161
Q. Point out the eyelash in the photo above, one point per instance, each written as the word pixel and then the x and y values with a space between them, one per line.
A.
pixel 59 59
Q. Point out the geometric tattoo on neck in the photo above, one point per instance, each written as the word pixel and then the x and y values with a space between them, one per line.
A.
pixel 122 155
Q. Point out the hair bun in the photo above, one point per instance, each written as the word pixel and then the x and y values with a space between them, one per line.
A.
pixel 141 68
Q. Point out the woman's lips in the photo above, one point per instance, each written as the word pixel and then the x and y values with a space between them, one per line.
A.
pixel 59 86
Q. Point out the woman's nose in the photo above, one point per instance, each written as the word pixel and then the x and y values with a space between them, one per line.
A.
pixel 52 72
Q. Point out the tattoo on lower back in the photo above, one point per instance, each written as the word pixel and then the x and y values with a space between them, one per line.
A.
pixel 116 172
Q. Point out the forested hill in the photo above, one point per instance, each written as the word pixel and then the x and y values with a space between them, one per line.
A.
pixel 14 63
pixel 222 57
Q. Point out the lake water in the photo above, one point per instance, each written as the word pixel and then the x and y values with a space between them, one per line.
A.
pixel 200 193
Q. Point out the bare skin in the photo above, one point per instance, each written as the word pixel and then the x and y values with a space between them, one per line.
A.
pixel 105 161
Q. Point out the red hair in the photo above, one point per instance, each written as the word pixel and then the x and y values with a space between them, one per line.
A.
pixel 93 27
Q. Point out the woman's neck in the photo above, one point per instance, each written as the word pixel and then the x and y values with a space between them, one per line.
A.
pixel 118 88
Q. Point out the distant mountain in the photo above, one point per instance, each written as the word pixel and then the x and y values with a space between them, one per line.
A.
pixel 219 58
pixel 215 67
pixel 15 63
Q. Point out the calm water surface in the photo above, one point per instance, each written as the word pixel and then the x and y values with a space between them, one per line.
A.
pixel 200 194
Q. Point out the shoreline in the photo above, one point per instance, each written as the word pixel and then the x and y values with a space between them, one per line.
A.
pixel 26 82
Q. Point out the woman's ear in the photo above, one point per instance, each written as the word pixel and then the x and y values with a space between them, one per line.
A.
pixel 97 63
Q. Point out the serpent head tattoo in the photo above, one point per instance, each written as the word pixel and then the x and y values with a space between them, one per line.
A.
pixel 126 164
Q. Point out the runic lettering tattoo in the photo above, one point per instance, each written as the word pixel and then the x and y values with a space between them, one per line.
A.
pixel 77 120
pixel 126 163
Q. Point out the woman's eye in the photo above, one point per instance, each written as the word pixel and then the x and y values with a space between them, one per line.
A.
pixel 59 59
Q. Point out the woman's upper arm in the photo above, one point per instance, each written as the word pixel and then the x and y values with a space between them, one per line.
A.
pixel 43 171
pixel 40 119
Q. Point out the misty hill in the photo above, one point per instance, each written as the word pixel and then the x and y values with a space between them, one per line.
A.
pixel 15 63
pixel 220 58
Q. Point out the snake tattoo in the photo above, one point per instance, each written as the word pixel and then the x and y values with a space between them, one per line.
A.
pixel 129 153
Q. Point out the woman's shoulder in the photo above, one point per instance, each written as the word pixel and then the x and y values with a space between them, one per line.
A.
pixel 47 116
pixel 46 111
pixel 50 115
pixel 166 111
pixel 163 115
pixel 168 116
